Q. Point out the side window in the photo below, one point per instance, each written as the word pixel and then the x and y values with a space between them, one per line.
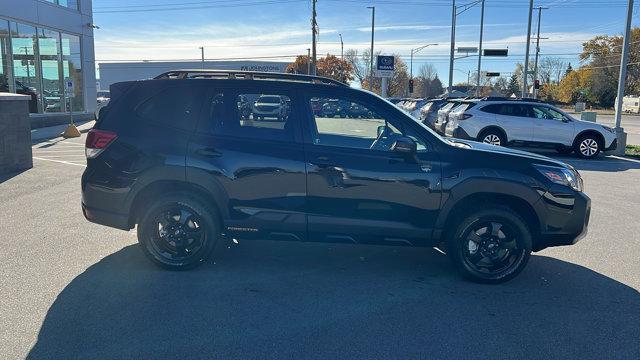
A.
pixel 543 112
pixel 345 123
pixel 492 108
pixel 176 107
pixel 252 115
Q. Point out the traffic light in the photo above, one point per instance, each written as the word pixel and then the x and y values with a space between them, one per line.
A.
pixel 410 86
pixel 536 84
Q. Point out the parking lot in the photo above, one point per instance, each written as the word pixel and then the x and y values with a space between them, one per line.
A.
pixel 75 290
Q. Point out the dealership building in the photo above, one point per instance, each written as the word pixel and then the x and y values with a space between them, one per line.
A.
pixel 46 52
pixel 113 72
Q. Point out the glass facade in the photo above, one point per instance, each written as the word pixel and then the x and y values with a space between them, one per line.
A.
pixel 73 4
pixel 43 64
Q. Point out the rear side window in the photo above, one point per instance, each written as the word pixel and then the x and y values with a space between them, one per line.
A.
pixel 266 116
pixel 175 107
pixel 507 109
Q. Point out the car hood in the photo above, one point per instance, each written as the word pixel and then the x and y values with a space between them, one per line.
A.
pixel 488 148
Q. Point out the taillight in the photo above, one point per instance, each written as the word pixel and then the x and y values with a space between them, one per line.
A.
pixel 464 116
pixel 97 141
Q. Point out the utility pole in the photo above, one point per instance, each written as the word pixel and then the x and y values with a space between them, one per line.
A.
pixel 453 45
pixel 341 48
pixel 314 30
pixel 525 89
pixel 202 53
pixel 308 61
pixel 373 22
pixel 535 65
pixel 480 49
pixel 621 136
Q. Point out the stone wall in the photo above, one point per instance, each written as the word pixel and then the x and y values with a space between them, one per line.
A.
pixel 15 133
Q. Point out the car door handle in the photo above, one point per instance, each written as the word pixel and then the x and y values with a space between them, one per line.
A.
pixel 209 152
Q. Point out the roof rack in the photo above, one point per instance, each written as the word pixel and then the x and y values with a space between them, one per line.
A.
pixel 245 75
pixel 501 98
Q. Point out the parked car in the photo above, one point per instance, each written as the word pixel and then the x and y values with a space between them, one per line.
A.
pixel 413 107
pixel 429 112
pixel 244 107
pixel 358 111
pixel 30 91
pixel 529 123
pixel 172 158
pixel 443 115
pixel 270 106
pixel 103 100
pixel 335 108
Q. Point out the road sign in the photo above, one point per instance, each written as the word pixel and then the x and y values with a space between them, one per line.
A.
pixel 468 50
pixel 492 74
pixel 385 66
pixel 68 85
pixel 496 52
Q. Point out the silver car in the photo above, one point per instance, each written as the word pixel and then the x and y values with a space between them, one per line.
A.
pixel 528 122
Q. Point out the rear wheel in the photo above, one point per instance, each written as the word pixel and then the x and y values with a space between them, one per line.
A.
pixel 491 245
pixel 587 146
pixel 178 231
pixel 493 137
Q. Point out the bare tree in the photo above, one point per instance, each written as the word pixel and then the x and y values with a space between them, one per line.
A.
pixel 427 71
pixel 551 69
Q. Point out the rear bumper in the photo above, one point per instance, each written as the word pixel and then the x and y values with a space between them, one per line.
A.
pixel 566 219
pixel 115 220
pixel 458 133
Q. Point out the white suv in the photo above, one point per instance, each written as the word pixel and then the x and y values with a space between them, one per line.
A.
pixel 528 122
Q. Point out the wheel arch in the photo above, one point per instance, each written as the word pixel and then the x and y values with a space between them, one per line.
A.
pixel 492 127
pixel 156 188
pixel 598 135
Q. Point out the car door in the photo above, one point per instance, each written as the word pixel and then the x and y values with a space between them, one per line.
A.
pixel 551 126
pixel 516 121
pixel 254 166
pixel 360 191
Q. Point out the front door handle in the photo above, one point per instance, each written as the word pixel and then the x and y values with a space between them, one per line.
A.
pixel 209 152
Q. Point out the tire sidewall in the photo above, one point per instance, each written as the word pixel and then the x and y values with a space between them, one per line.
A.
pixel 455 244
pixel 206 215
pixel 582 138
pixel 497 133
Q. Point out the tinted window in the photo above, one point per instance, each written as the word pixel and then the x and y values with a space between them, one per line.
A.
pixel 508 109
pixel 174 106
pixel 359 126
pixel 250 115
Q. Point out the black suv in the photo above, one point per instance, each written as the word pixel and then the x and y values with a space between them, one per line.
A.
pixel 177 157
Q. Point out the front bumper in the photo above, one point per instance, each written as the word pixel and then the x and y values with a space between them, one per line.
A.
pixel 613 146
pixel 566 218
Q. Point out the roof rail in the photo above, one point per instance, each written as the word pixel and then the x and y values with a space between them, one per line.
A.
pixel 501 98
pixel 246 75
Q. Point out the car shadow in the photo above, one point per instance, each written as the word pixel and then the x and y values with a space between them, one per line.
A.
pixel 7 176
pixel 604 163
pixel 305 300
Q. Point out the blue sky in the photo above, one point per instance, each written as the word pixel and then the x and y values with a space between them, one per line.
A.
pixel 145 30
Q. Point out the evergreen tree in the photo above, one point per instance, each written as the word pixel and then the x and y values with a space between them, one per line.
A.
pixel 514 85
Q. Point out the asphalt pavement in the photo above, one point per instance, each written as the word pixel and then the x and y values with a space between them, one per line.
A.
pixel 75 290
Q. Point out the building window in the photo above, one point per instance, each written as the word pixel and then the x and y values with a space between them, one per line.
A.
pixel 72 72
pixel 52 85
pixel 25 71
pixel 4 57
pixel 72 4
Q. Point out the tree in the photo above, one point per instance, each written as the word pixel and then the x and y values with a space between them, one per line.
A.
pixel 329 66
pixel 514 85
pixel 569 69
pixel 550 69
pixel 576 86
pixel 428 71
pixel 502 85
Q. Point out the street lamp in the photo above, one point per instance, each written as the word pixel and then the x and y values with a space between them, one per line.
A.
pixel 413 51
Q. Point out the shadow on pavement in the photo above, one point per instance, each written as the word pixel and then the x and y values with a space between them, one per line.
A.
pixel 305 300
pixel 600 163
pixel 7 176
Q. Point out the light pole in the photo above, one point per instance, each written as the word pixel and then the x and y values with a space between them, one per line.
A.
pixel 373 22
pixel 341 47
pixel 621 136
pixel 479 50
pixel 413 51
pixel 535 63
pixel 202 53
pixel 453 46
pixel 525 89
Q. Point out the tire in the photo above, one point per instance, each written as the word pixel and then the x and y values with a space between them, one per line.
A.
pixel 493 137
pixel 178 231
pixel 587 146
pixel 494 236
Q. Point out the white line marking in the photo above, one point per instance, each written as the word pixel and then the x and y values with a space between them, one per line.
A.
pixel 61 156
pixel 59 161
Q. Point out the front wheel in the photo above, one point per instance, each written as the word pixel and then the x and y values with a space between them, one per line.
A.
pixel 587 146
pixel 178 231
pixel 491 245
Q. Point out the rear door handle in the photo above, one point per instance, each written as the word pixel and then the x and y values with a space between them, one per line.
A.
pixel 209 152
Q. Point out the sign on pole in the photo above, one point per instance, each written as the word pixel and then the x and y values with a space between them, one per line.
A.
pixel 385 66
pixel 467 50
pixel 496 52
pixel 68 84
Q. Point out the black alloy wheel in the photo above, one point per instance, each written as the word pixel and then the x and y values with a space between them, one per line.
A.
pixel 491 246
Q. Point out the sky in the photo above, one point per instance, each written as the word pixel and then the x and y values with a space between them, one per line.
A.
pixel 135 30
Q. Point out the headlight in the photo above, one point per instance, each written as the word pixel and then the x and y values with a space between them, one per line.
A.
pixel 611 130
pixel 562 176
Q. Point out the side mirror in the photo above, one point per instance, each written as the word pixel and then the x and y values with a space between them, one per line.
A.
pixel 404 145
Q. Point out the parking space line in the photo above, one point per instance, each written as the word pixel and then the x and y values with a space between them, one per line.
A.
pixel 59 161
